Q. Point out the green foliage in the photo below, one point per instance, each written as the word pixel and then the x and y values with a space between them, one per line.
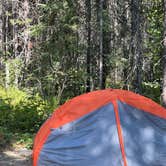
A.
pixel 36 30
pixel 21 115
pixel 74 85
pixel 154 30
pixel 12 96
pixel 22 112
pixel 152 90
pixel 10 138
pixel 20 22
pixel 23 139
pixel 5 137
pixel 14 69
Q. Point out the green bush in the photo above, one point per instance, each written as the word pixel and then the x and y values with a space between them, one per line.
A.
pixel 21 112
pixel 25 140
pixel 152 90
pixel 10 139
pixel 5 137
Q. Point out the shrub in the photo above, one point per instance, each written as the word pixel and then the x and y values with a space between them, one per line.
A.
pixel 152 90
pixel 5 137
pixel 22 112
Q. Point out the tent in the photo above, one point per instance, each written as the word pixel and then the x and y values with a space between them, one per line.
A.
pixel 103 128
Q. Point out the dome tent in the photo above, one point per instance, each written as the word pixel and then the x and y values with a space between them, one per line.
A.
pixel 103 128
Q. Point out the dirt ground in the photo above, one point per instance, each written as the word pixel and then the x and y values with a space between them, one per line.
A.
pixel 19 157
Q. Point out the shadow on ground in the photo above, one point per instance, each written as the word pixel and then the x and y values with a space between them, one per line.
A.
pixel 16 158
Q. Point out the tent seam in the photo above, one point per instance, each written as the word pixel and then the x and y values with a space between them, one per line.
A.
pixel 120 134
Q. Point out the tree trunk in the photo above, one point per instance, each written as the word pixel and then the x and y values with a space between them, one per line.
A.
pixel 164 60
pixel 5 29
pixel 1 33
pixel 101 45
pixel 88 56
pixel 7 73
pixel 136 46
pixel 1 26
pixel 15 52
pixel 26 7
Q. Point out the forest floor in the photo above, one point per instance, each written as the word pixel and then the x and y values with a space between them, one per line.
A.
pixel 15 149
pixel 15 157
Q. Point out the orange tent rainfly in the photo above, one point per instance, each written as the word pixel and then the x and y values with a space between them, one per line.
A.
pixel 103 128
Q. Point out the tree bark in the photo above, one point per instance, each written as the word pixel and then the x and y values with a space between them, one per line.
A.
pixel 1 25
pixel 136 44
pixel 26 7
pixel 1 33
pixel 88 55
pixel 101 45
pixel 164 60
pixel 7 73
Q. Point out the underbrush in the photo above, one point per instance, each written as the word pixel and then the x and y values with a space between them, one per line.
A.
pixel 21 115
pixel 11 140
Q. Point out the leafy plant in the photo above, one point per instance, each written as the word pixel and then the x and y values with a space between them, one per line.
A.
pixel 22 112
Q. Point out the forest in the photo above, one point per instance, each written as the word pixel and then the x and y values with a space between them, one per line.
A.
pixel 53 50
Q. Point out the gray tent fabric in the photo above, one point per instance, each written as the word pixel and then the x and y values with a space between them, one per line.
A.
pixel 89 141
pixel 103 128
pixel 144 137
pixel 93 140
